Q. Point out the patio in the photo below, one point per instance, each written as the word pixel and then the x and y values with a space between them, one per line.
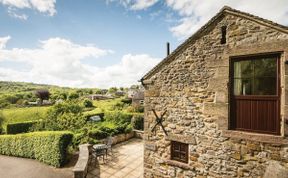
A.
pixel 126 161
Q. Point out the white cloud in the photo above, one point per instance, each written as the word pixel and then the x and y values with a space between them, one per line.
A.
pixel 13 13
pixel 135 4
pixel 142 4
pixel 196 13
pixel 59 61
pixel 3 41
pixel 127 72
pixel 43 6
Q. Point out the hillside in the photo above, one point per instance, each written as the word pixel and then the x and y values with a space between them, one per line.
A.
pixel 20 93
pixel 12 87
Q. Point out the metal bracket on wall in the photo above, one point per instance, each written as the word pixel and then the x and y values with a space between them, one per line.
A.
pixel 159 121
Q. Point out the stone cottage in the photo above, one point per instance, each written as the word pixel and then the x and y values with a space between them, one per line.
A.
pixel 221 101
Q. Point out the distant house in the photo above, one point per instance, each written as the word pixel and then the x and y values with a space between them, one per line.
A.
pixel 38 102
pixel 99 97
pixel 131 93
pixel 120 93
pixel 138 98
pixel 104 91
pixel 46 102
pixel 33 103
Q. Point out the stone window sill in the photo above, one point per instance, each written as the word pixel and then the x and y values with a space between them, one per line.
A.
pixel 178 164
pixel 264 138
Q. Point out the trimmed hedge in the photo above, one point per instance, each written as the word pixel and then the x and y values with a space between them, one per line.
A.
pixel 48 147
pixel 20 127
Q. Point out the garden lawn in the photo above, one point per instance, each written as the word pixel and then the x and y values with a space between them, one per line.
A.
pixel 13 115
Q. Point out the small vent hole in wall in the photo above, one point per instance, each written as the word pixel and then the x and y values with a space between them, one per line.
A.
pixel 223 34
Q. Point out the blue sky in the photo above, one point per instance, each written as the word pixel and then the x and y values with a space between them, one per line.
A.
pixel 102 43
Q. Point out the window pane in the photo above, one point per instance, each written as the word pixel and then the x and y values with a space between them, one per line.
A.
pixel 243 69
pixel 265 86
pixel 242 86
pixel 265 67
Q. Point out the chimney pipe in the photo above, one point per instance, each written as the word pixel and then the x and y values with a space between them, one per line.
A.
pixel 168 48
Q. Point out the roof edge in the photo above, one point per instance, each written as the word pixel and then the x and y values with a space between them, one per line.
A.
pixel 224 9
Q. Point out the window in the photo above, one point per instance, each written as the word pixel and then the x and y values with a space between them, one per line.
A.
pixel 223 34
pixel 255 76
pixel 179 151
pixel 255 98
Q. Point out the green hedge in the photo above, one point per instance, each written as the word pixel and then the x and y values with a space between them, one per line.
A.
pixel 138 122
pixel 48 147
pixel 20 127
pixel 118 117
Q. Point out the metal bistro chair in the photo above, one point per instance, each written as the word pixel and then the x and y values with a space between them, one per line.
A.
pixel 109 142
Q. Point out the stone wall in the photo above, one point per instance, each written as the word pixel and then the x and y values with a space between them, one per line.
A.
pixel 192 87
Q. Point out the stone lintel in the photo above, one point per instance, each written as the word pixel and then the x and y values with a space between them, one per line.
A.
pixel 182 138
pixel 263 138
pixel 256 48
pixel 178 164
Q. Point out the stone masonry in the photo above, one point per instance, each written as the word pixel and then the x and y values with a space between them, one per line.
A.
pixel 191 84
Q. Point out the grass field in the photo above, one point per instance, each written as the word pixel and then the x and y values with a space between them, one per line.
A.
pixel 23 114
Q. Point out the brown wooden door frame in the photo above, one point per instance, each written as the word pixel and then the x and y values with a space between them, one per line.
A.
pixel 232 98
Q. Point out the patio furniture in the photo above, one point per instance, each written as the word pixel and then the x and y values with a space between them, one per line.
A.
pixel 99 150
pixel 109 142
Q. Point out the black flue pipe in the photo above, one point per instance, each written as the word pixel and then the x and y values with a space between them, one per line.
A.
pixel 168 48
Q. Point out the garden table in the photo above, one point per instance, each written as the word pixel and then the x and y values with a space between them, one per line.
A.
pixel 99 149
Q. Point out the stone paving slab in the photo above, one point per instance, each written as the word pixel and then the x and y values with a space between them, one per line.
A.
pixel 126 161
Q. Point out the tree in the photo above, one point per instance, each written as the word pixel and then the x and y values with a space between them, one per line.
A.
pixel 112 90
pixel 42 94
pixel 87 103
pixel 73 95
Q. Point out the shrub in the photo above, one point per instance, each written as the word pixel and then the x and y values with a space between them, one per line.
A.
pixel 138 122
pixel 118 106
pixel 73 95
pixel 65 116
pixel 126 100
pixel 100 133
pixel 87 103
pixel 139 108
pixel 118 117
pixel 135 108
pixel 47 147
pixel 2 118
pixel 20 127
pixel 128 128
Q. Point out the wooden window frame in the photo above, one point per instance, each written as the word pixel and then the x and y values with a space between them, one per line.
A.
pixel 175 154
pixel 231 120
